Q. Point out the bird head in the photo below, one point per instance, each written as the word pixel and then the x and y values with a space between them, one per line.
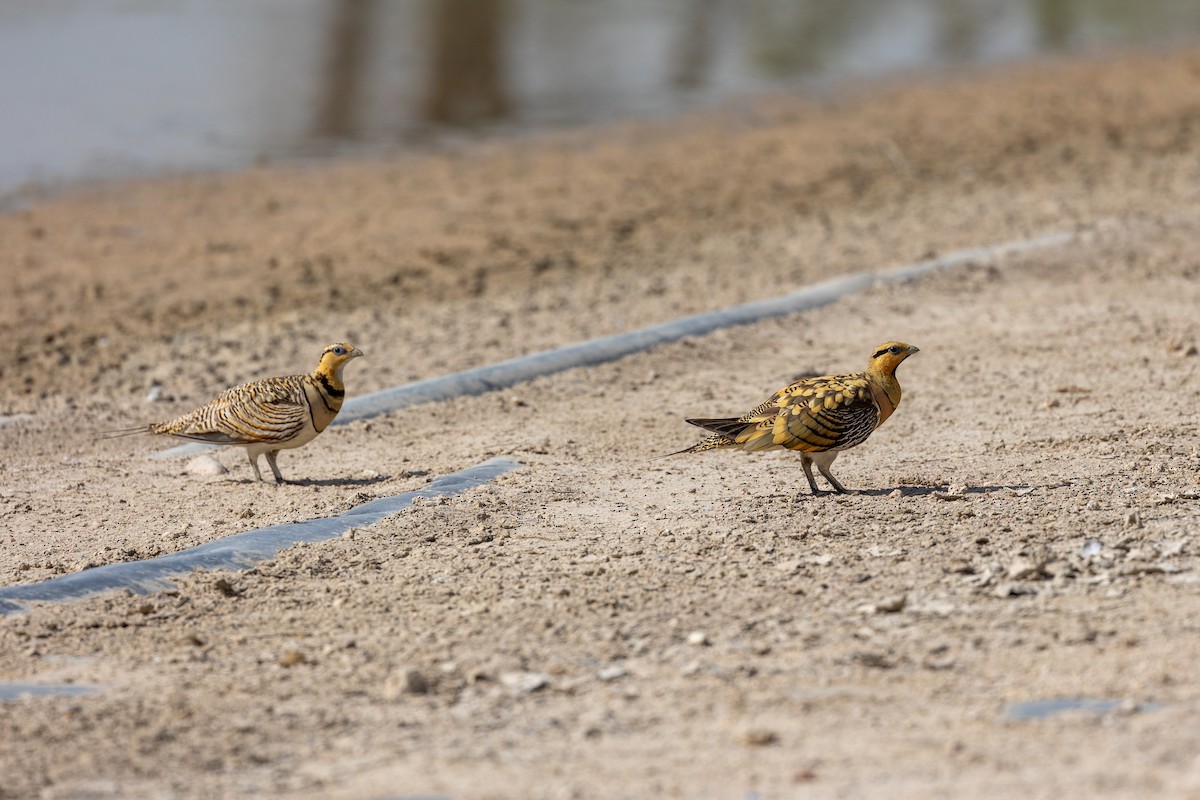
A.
pixel 334 357
pixel 888 356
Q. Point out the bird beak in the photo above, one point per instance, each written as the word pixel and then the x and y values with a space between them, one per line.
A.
pixel 355 353
pixel 913 349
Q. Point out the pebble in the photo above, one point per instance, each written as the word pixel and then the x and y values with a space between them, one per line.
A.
pixel 611 673
pixel 937 608
pixel 1006 590
pixel 698 639
pixel 524 682
pixel 1022 568
pixel 226 588
pixel 888 605
pixel 758 737
pixel 405 681
pixel 872 660
pixel 205 466
pixel 292 658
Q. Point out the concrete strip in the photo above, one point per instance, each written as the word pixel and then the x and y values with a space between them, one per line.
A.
pixel 241 550
pixel 610 348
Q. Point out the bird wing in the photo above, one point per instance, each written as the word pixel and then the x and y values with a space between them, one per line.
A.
pixel 833 412
pixel 272 410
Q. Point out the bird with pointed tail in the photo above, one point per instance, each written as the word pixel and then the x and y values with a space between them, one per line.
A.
pixel 268 415
pixel 819 417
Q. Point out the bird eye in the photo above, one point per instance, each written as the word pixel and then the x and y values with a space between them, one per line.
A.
pixel 339 351
pixel 894 350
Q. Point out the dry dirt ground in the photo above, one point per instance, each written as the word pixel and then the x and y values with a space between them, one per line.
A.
pixel 600 624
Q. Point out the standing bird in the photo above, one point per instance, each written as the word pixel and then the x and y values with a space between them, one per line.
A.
pixel 820 417
pixel 269 415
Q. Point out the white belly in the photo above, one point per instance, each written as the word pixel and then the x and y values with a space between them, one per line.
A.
pixel 306 435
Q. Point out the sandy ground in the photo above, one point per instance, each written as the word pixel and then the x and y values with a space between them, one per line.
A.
pixel 600 624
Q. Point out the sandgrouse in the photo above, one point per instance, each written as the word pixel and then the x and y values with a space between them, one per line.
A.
pixel 268 415
pixel 820 417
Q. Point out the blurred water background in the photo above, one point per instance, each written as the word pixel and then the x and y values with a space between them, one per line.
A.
pixel 95 89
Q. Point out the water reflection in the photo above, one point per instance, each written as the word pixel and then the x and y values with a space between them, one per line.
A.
pixel 466 74
pixel 93 90
pixel 341 88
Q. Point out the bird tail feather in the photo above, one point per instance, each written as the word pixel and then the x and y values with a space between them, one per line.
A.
pixel 117 433
pixel 728 427
pixel 711 443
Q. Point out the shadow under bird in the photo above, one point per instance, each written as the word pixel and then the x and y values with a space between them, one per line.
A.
pixel 818 417
pixel 268 415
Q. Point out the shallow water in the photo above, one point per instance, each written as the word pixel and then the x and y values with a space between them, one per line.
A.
pixel 101 90
pixel 15 691
pixel 1040 709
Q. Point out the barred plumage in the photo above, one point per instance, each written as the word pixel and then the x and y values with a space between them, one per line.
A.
pixel 269 415
pixel 819 417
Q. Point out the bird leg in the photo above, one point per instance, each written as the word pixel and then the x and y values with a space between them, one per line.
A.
pixel 823 460
pixel 837 487
pixel 806 462
pixel 254 465
pixel 271 454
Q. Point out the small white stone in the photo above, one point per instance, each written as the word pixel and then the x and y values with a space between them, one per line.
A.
pixel 524 682
pixel 611 673
pixel 205 466
pixel 697 638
